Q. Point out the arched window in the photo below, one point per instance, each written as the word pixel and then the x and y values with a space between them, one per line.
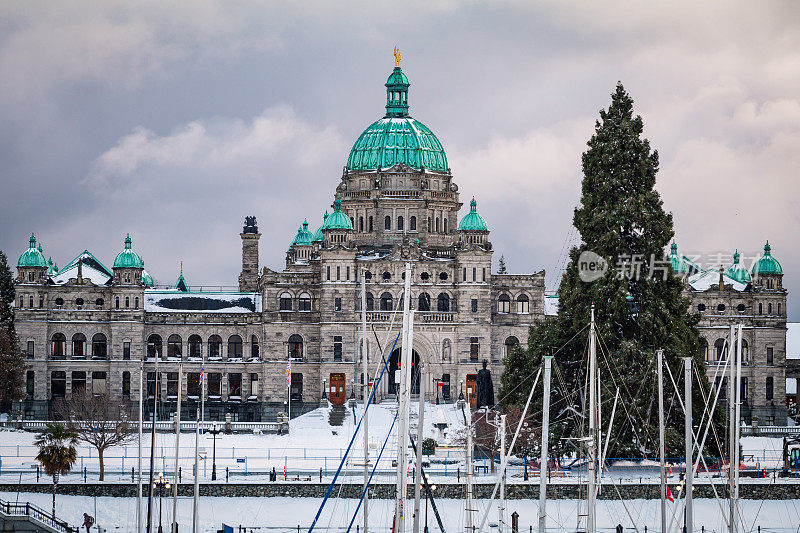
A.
pixel 424 302
pixel 445 225
pixel 360 223
pixel 412 224
pixel 523 304
pixel 174 346
pixel 437 224
pixel 400 223
pixel 720 349
pixel 504 304
pixel 704 348
pixel 296 346
pixel 215 347
pixel 195 346
pixel 153 346
pixel 370 302
pixel 255 351
pixel 387 223
pixel 511 343
pixel 304 302
pixel 447 351
pixel 386 302
pixel 99 346
pixel 769 389
pixel 78 346
pixel 234 347
pixel 286 302
pixel 58 349
pixel 127 302
pixel 769 308
pixel 443 302
pixel 745 352
pixel 430 227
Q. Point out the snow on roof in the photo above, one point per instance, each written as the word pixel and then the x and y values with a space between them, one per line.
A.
pixel 702 281
pixel 793 340
pixel 172 301
pixel 551 305
pixel 95 276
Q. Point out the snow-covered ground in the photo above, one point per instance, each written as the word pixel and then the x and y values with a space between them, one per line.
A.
pixel 311 445
pixel 286 514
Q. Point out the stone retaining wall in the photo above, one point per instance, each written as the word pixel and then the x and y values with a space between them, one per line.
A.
pixel 749 491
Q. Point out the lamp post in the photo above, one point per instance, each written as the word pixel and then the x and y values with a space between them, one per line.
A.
pixel 214 431
pixel 160 485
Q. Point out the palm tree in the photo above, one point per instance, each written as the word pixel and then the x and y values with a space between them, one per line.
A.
pixel 57 452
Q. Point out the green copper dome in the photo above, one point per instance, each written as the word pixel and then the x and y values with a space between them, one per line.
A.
pixel 318 234
pixel 303 237
pixel 33 257
pixel 337 219
pixel 52 267
pixel 737 271
pixel 397 138
pixel 472 221
pixel 766 263
pixel 679 266
pixel 147 279
pixel 127 258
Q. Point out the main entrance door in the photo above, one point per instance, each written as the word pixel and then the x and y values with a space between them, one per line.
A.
pixel 336 388
pixel 394 366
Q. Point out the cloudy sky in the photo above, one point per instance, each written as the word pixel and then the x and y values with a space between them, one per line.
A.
pixel 174 120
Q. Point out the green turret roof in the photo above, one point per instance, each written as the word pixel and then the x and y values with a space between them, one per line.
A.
pixel 33 256
pixel 127 258
pixel 318 234
pixel 181 284
pixel 679 266
pixel 397 138
pixel 303 237
pixel 767 264
pixel 52 267
pixel 472 221
pixel 737 271
pixel 337 219
pixel 147 280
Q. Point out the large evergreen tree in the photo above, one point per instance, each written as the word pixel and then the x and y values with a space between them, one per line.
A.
pixel 620 217
pixel 12 363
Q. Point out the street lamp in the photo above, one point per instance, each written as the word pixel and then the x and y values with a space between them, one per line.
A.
pixel 160 485
pixel 214 431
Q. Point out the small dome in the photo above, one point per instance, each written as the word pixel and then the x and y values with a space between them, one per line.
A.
pixel 318 234
pixel 52 268
pixel 766 263
pixel 147 279
pixel 737 271
pixel 303 237
pixel 337 219
pixel 33 257
pixel 127 258
pixel 472 221
pixel 679 266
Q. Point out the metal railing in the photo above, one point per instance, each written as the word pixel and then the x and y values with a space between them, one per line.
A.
pixel 35 514
pixel 424 317
pixel 165 425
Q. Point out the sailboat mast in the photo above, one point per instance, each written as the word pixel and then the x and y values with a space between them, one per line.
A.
pixel 661 438
pixel 501 510
pixel 139 467
pixel 153 448
pixel 737 426
pixel 420 437
pixel 468 521
pixel 365 389
pixel 543 457
pixel 177 449
pixel 195 507
pixel 689 441
pixel 592 492
pixel 403 398
pixel 731 431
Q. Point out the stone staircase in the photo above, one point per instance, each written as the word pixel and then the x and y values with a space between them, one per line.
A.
pixel 337 415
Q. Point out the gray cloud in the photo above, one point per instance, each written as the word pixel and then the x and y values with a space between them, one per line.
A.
pixel 173 121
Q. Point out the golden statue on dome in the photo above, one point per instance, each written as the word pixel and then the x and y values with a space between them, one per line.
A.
pixel 397 57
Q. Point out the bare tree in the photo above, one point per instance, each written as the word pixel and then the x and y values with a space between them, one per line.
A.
pixel 98 420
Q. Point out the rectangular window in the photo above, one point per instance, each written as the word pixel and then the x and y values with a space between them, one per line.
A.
pixel 474 305
pixel 770 356
pixel 29 384
pixel 254 384
pixel 214 384
pixel 474 274
pixel 464 274
pixel 347 275
pixel 743 391
pixel 445 386
pixel 474 349
pixel 338 273
pixel 126 350
pixel 779 309
pixel 78 382
pixel 126 384
pixel 328 273
pixel 41 303
pixel 98 383
pixel 484 273
pixel 235 385
pixel 30 349
pixel 337 348
pixel 769 389
pixel 172 384
pixel 58 384
pixel 193 385
pixel 296 387
pixel 151 384
pixel 337 304
pixel 722 386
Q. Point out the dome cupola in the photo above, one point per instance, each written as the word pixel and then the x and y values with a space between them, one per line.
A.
pixel 679 266
pixel 472 221
pixel 737 271
pixel 337 220
pixel 318 234
pixel 33 256
pixel 127 258
pixel 767 264
pixel 147 279
pixel 303 237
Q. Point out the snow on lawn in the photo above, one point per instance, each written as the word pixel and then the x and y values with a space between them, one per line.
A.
pixel 286 514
